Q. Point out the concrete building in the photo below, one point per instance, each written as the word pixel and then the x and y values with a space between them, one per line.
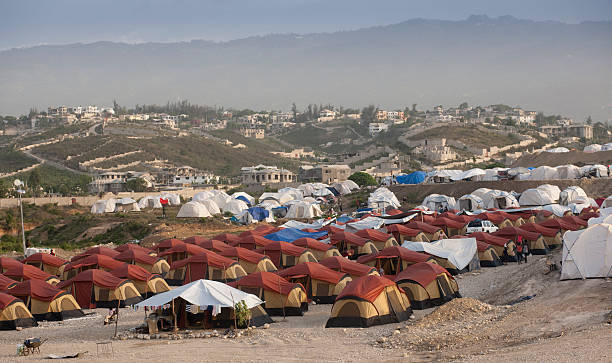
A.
pixel 377 127
pixel 262 174
pixel 115 182
pixel 253 132
pixel 583 131
pixel 187 176
pixel 295 153
pixel 324 173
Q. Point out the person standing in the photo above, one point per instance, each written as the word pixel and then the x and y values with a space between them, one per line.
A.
pixel 519 249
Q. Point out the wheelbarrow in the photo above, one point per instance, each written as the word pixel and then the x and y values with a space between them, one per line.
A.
pixel 31 346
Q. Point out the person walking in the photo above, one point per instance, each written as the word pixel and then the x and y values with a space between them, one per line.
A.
pixel 519 249
pixel 525 250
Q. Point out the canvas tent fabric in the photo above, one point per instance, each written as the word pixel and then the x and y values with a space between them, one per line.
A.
pixel 193 210
pixel 284 254
pixel 319 249
pixel 394 259
pixel 52 265
pixel 569 172
pixel 101 262
pixel 47 302
pixel 211 206
pixel 587 253
pixel 103 206
pixel 472 174
pixel 100 289
pixel 427 285
pixel 460 252
pixel 369 222
pixel 7 263
pixel 535 197
pixel 499 199
pixel 368 301
pixel 96 250
pixel 251 261
pixel 322 284
pixel 592 148
pixel 572 194
pixel 146 283
pixel 150 201
pixel 208 265
pixel 126 205
pixel 281 297
pixel 27 272
pixel 133 247
pixel 6 282
pixel 14 314
pixel 436 202
pixel 245 197
pixel 342 264
pixel 234 206
pixel 383 198
pixel 153 264
pixel 378 238
pixel 303 210
pixel 470 202
pixel 557 150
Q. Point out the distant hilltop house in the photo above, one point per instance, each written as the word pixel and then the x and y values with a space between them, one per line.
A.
pixel 382 115
pixel 324 173
pixel 435 150
pixel 115 181
pixel 252 132
pixel 566 129
pixel 376 128
pixel 71 115
pixel 327 115
pixel 295 153
pixel 187 176
pixel 262 174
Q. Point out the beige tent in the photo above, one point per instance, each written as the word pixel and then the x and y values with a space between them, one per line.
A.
pixel 427 285
pixel 14 314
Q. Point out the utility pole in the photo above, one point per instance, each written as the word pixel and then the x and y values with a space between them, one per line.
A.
pixel 19 184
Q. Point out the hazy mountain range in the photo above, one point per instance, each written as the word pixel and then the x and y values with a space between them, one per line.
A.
pixel 549 66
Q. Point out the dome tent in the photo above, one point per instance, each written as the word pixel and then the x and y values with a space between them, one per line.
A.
pixel 193 210
pixel 470 202
pixel 354 269
pixel 100 289
pixel 52 265
pixel 572 194
pixel 146 283
pixel 587 253
pixel 47 302
pixel 427 285
pixel 14 314
pixel 322 284
pixel 367 301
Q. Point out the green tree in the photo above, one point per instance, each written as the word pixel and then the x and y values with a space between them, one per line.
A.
pixel 34 181
pixel 363 179
pixel 368 113
pixel 136 185
pixel 463 106
pixel 9 222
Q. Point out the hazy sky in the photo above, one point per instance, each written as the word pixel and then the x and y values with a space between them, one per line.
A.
pixel 33 22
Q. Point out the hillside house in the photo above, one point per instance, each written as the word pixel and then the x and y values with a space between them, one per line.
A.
pixel 376 128
pixel 262 174
pixel 324 173
pixel 255 133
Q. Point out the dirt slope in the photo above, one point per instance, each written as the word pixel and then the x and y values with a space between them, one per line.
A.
pixel 574 157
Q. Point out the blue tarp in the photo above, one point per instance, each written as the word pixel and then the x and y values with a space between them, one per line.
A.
pixel 258 213
pixel 344 219
pixel 244 199
pixel 291 234
pixel 416 177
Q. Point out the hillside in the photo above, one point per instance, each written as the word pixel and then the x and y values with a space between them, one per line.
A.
pixel 574 157
pixel 475 60
pixel 471 136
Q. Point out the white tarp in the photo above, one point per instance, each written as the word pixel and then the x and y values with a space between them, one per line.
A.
pixel 499 199
pixel 572 194
pixel 204 293
pixel 173 199
pixel 569 172
pixel 587 253
pixel 234 206
pixel 341 188
pixel 368 222
pixel 557 150
pixel 104 206
pixel 193 210
pixel 211 206
pixel 383 198
pixel 248 197
pixel 436 202
pixel 351 184
pixel 544 173
pixel 459 251
pixel 303 210
pixel 203 195
pixel 150 201
pixel 593 148
pixel 319 223
pixel 476 174
pixel 558 210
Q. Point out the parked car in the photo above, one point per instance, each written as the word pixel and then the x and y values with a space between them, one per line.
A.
pixel 479 225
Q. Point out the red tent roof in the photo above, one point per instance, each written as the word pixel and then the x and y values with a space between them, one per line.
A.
pixel 214 245
pixel 513 232
pixel 422 226
pixel 348 237
pixel 97 277
pixel 490 239
pixel 37 289
pixel 447 222
pixel 132 272
pixel 314 270
pixel 311 243
pixel 45 258
pixel 27 272
pixel 100 261
pixel 260 230
pixel 559 223
pixel 99 250
pixel 366 288
pixel 585 216
pixel 538 228
pixel 137 256
pixel 512 217
pixel 228 238
pixel 132 247
pixel 544 213
pixel 243 254
pixel 577 220
pixel 6 300
pixel 393 212
pixel 482 246
pixel 459 218
pixel 345 265
pixel 284 247
pixel 396 251
pixel 422 273
pixel 373 235
pixel 184 248
pixel 208 257
pixel 195 240
pixel 251 240
pixel 168 243
pixel 267 281
pixel 494 217
pixel 7 262
pixel 6 282
pixel 403 230
pixel 331 229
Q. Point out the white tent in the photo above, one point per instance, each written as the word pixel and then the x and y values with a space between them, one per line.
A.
pixel 126 205
pixel 281 198
pixel 459 251
pixel 593 148
pixel 323 192
pixel 307 189
pixel 234 206
pixel 587 253
pixel 269 204
pixel 544 173
pixel 206 194
pixel 606 147
pixel 295 193
pixel 572 195
pixel 605 216
pixel 204 293
pixel 303 210
pixel 472 174
pixel 607 203
pixel 383 198
pixel 368 222
pixel 492 174
pixel 351 184
pixel 499 199
pixel 104 206
pixel 220 197
pixel 535 196
pixel 557 150
pixel 552 190
pixel 442 176
pixel 211 206
pixel 580 203
pixel 341 188
pixel 481 192
pixel 470 202
pixel 193 210
pixel 248 197
pixel 597 171
pixel 569 172
pixel 150 201
pixel 558 210
pixel 437 201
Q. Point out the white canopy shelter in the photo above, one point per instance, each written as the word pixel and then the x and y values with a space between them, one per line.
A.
pixel 193 210
pixel 458 251
pixel 587 253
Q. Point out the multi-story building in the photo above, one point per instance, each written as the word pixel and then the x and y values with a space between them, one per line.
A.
pixel 584 131
pixel 324 173
pixel 186 175
pixel 262 174
pixel 253 132
pixel 377 127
